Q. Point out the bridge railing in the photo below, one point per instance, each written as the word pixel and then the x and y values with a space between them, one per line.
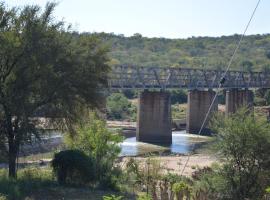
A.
pixel 136 77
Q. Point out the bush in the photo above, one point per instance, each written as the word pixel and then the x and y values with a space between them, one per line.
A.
pixel 101 144
pixel 243 140
pixel 181 190
pixel 209 183
pixel 73 166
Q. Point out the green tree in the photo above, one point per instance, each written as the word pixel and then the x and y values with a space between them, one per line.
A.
pixel 44 70
pixel 244 142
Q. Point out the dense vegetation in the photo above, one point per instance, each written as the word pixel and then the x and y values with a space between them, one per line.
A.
pixel 120 108
pixel 196 52
pixel 244 143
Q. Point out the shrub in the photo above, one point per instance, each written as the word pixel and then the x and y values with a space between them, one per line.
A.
pixel 209 183
pixel 181 190
pixel 101 144
pixel 73 166
pixel 267 190
pixel 243 140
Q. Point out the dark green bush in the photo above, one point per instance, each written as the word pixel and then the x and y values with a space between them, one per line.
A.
pixel 73 167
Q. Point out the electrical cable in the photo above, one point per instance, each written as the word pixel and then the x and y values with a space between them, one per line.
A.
pixel 223 79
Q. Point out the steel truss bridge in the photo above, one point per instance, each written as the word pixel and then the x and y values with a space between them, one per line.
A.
pixel 136 77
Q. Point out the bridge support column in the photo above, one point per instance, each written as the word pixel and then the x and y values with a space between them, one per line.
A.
pixel 198 104
pixel 236 98
pixel 154 118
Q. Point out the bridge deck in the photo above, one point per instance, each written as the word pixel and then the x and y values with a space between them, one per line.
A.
pixel 131 77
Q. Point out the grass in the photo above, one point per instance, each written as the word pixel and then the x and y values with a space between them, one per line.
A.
pixel 37 157
pixel 39 184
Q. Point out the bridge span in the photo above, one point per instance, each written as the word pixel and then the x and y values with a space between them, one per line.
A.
pixel 135 77
pixel 154 107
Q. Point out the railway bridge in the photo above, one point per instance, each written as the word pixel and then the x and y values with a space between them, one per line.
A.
pixel 154 108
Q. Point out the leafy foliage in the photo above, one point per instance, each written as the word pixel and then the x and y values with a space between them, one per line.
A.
pixel 119 108
pixel 73 166
pixel 101 144
pixel 181 190
pixel 244 142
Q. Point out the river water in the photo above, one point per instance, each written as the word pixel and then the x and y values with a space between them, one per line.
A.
pixel 182 143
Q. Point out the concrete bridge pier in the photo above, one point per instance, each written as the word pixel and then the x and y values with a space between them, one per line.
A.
pixel 198 104
pixel 235 98
pixel 154 118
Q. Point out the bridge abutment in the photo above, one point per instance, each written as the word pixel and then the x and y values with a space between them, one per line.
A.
pixel 198 104
pixel 236 98
pixel 154 118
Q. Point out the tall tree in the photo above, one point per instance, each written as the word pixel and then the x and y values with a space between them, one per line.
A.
pixel 44 70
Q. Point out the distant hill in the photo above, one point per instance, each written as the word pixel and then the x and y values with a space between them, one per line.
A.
pixel 196 52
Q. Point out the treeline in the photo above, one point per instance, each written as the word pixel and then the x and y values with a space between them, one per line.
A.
pixel 195 52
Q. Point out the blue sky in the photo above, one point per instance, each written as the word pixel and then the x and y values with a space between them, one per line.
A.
pixel 161 18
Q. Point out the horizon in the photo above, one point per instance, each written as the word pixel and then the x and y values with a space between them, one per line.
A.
pixel 157 19
pixel 191 37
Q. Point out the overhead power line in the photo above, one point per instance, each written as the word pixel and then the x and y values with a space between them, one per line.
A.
pixel 223 79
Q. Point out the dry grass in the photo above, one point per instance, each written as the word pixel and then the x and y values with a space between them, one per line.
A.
pixel 73 194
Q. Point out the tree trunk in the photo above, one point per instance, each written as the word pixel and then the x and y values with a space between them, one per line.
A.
pixel 12 155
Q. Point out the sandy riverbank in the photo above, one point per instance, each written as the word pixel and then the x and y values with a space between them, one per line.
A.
pixel 175 163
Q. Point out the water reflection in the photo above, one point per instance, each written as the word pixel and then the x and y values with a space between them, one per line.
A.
pixel 181 143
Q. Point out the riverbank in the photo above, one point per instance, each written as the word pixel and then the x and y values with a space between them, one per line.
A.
pixel 175 163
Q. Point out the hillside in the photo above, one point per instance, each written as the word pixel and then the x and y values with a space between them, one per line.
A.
pixel 196 52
